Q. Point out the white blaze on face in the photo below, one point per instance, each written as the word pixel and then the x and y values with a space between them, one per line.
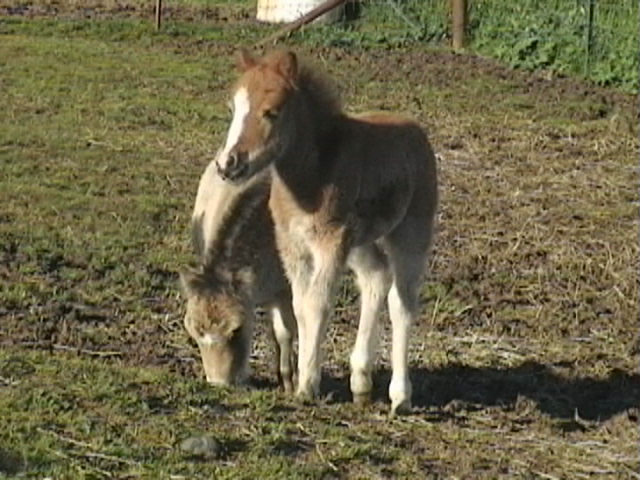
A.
pixel 241 107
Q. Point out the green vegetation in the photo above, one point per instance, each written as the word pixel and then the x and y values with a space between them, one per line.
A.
pixel 77 418
pixel 554 35
pixel 550 35
pixel 524 361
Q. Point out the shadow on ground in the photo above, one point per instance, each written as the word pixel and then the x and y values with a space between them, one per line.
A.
pixel 556 395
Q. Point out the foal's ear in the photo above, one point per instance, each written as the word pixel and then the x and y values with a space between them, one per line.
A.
pixel 245 60
pixel 287 65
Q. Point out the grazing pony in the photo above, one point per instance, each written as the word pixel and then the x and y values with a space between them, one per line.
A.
pixel 239 269
pixel 347 191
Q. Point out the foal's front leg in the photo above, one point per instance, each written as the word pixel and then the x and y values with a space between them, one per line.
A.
pixel 312 306
pixel 284 328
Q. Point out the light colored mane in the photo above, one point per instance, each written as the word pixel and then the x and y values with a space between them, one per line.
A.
pixel 222 213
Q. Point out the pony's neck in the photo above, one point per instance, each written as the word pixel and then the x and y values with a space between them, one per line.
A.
pixel 305 168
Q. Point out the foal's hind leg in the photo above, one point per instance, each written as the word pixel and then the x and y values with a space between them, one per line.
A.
pixel 370 265
pixel 408 269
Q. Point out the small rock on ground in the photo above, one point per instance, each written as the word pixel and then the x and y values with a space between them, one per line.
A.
pixel 204 446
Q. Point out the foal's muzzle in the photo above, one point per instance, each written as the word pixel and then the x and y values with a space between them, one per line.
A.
pixel 236 167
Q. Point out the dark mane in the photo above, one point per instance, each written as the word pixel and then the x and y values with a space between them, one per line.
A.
pixel 319 89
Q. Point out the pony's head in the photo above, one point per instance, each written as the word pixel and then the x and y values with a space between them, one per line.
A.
pixel 263 123
pixel 221 322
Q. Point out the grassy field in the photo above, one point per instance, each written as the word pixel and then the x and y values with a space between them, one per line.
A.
pixel 524 360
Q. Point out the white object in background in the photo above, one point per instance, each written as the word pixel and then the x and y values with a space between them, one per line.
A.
pixel 285 11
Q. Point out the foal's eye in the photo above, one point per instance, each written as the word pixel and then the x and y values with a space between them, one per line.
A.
pixel 270 114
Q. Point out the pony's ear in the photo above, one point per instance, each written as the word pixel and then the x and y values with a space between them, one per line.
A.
pixel 287 64
pixel 245 60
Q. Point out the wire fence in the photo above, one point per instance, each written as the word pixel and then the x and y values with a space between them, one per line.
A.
pixel 597 39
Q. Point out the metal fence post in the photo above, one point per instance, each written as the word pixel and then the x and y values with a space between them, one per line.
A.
pixel 459 22
pixel 158 14
pixel 589 49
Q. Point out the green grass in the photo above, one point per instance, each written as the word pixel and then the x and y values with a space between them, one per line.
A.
pixel 529 314
pixel 554 36
pixel 77 418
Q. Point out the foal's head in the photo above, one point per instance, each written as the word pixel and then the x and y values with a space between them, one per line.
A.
pixel 263 123
pixel 220 321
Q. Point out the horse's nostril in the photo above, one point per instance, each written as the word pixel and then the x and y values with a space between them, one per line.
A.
pixel 233 161
pixel 235 166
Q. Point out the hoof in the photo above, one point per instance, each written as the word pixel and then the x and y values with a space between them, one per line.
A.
pixel 287 386
pixel 402 408
pixel 362 399
pixel 285 381
pixel 305 397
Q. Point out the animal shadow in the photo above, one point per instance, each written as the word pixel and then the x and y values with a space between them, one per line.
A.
pixel 554 394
